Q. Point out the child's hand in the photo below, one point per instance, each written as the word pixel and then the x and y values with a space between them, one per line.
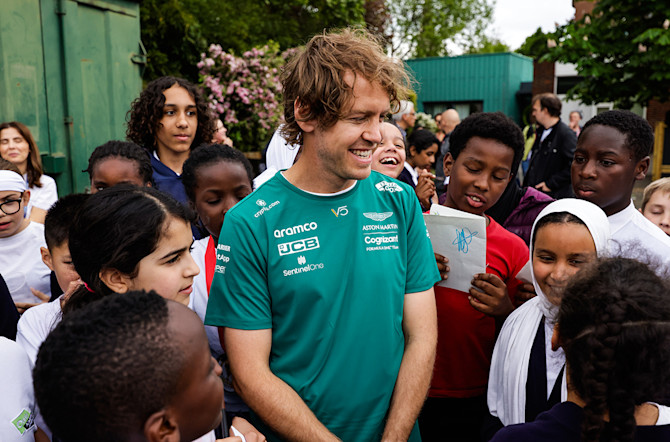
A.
pixel 74 285
pixel 425 188
pixel 543 187
pixel 23 306
pixel 494 301
pixel 442 266
pixel 525 292
pixel 250 433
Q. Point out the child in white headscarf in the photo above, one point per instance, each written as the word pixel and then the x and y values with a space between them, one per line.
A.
pixel 526 376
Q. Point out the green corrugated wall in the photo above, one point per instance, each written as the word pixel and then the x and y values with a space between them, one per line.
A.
pixel 492 79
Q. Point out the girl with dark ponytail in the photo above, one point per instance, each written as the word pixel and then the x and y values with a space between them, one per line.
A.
pixel 614 326
pixel 132 238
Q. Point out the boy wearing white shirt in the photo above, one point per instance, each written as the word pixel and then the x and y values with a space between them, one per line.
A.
pixel 612 153
pixel 37 323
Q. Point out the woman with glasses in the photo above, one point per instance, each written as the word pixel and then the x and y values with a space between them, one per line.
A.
pixel 21 265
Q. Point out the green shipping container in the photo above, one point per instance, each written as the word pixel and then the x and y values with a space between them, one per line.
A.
pixel 471 83
pixel 69 71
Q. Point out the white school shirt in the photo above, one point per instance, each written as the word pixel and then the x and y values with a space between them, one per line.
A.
pixel 280 155
pixel 412 172
pixel 634 236
pixel 21 263
pixel 17 407
pixel 36 324
pixel 199 296
pixel 42 197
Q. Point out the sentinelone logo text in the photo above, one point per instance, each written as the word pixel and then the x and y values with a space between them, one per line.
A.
pixel 307 268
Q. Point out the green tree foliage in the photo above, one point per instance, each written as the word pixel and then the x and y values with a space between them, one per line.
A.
pixel 535 46
pixel 176 32
pixel 487 45
pixel 424 28
pixel 622 50
pixel 172 37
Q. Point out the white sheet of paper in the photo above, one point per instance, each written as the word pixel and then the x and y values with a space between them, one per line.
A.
pixel 525 274
pixel 461 237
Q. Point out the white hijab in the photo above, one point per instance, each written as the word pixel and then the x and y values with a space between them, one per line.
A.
pixel 509 365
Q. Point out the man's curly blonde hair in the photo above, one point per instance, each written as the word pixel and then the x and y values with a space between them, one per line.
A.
pixel 315 77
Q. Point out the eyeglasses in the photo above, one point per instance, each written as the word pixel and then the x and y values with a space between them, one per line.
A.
pixel 10 207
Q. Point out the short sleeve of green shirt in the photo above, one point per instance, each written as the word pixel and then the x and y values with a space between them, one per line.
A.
pixel 240 269
pixel 422 271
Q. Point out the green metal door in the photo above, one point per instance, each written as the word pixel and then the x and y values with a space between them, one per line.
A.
pixel 70 76
pixel 22 83
pixel 99 41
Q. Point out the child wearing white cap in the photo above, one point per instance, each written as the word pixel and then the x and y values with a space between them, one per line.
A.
pixel 21 265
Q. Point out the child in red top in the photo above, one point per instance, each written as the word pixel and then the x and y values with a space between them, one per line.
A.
pixel 485 149
pixel 216 177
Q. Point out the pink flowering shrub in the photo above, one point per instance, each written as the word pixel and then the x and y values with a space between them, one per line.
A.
pixel 245 92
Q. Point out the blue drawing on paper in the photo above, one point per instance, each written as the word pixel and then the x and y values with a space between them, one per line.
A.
pixel 463 239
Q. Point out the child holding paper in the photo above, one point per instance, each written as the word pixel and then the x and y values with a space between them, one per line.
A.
pixel 485 149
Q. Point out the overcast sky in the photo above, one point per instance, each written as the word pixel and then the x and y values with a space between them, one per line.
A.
pixel 514 20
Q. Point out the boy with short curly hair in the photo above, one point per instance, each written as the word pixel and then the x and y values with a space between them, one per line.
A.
pixel 485 150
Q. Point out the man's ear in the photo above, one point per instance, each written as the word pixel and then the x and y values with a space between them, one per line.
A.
pixel 447 164
pixel 161 427
pixel 116 281
pixel 46 258
pixel 641 168
pixel 301 111
pixel 555 340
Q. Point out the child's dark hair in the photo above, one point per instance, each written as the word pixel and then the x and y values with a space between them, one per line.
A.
pixel 638 133
pixel 125 150
pixel 556 218
pixel 115 229
pixel 6 165
pixel 493 125
pixel 60 217
pixel 205 155
pixel 112 365
pixel 147 110
pixel 421 139
pixel 614 325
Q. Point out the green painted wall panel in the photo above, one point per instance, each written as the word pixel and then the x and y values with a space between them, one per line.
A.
pixel 99 44
pixel 22 86
pixel 492 79
pixel 66 71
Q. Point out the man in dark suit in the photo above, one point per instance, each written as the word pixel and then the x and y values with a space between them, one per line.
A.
pixel 551 155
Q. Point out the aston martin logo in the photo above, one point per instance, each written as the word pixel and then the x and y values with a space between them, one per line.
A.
pixel 375 216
